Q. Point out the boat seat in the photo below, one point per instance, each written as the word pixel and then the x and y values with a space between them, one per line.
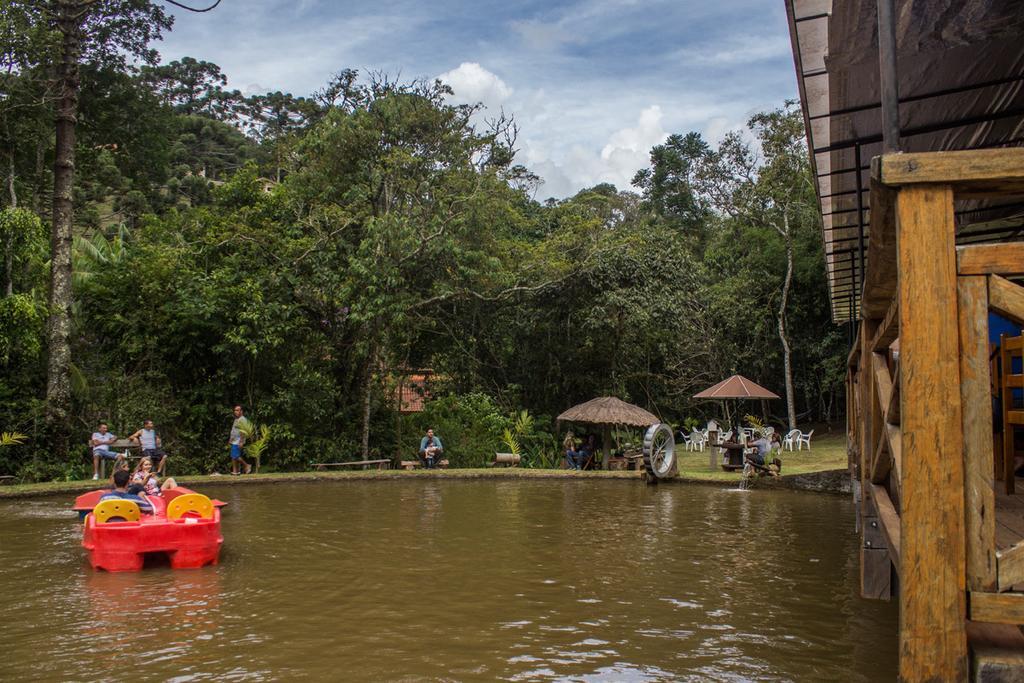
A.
pixel 114 510
pixel 194 503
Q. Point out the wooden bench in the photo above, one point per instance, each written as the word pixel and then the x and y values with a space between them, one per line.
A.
pixel 417 464
pixel 361 464
pixel 7 479
pixel 120 445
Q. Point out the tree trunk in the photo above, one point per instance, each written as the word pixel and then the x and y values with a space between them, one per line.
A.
pixel 787 365
pixel 367 396
pixel 9 246
pixel 58 383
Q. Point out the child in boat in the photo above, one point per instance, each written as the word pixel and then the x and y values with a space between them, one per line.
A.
pixel 121 480
pixel 147 478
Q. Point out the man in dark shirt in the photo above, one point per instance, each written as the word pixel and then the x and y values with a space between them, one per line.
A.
pixel 121 479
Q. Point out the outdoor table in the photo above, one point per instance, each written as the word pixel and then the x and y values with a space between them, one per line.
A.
pixel 732 459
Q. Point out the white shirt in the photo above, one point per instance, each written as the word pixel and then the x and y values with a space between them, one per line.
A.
pixel 103 440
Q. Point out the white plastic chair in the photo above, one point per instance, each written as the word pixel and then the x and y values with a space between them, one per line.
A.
pixel 687 439
pixel 805 439
pixel 792 439
pixel 697 440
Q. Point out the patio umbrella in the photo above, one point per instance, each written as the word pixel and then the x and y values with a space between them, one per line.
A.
pixel 607 412
pixel 737 387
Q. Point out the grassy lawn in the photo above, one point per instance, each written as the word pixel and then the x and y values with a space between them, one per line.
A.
pixel 829 453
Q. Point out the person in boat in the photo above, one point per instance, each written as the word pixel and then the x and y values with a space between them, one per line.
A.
pixel 430 449
pixel 148 479
pixel 122 478
pixel 101 442
pixel 236 441
pixel 152 447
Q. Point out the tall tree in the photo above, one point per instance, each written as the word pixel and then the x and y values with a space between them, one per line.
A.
pixel 773 191
pixel 104 31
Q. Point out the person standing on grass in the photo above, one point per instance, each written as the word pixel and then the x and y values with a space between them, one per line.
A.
pixel 236 441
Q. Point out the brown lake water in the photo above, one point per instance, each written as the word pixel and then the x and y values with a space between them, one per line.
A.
pixel 430 579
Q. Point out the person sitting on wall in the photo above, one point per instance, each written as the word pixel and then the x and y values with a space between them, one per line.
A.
pixel 430 449
pixel 762 448
pixel 121 480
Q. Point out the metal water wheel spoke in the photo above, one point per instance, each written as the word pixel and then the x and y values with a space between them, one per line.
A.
pixel 659 451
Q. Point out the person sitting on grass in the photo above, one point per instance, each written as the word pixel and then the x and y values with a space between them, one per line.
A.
pixel 121 480
pixel 430 449
pixel 763 448
pixel 152 447
pixel 101 441
pixel 148 479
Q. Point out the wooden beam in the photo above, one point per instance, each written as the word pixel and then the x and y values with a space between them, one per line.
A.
pixel 1004 258
pixel 997 651
pixel 892 412
pixel 997 608
pixel 854 358
pixel 880 275
pixel 968 172
pixel 975 383
pixel 895 446
pixel 883 381
pixel 881 462
pixel 1006 297
pixel 1010 567
pixel 889 329
pixel 889 521
pixel 933 643
pixel 875 563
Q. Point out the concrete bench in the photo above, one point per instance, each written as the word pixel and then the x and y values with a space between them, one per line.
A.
pixel 360 464
pixel 506 460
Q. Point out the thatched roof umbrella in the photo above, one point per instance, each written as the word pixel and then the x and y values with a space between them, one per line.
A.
pixel 737 387
pixel 608 412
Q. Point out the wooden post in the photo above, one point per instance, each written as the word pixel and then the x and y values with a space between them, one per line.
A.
pixel 875 562
pixel 933 640
pixel 975 393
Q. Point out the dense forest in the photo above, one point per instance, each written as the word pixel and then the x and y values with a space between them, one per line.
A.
pixel 301 255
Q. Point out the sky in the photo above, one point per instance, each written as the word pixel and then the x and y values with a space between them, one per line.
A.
pixel 593 84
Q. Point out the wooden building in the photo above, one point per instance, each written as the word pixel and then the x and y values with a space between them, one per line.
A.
pixel 914 112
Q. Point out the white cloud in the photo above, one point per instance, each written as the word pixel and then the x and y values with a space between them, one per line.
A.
pixel 736 50
pixel 647 133
pixel 625 151
pixel 473 83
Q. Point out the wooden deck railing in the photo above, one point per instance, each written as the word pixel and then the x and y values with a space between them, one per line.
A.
pixel 920 424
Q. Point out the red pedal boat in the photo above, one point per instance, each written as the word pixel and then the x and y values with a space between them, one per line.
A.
pixel 184 526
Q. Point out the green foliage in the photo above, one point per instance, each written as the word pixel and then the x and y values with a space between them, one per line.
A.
pixel 254 447
pixel 470 426
pixel 12 439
